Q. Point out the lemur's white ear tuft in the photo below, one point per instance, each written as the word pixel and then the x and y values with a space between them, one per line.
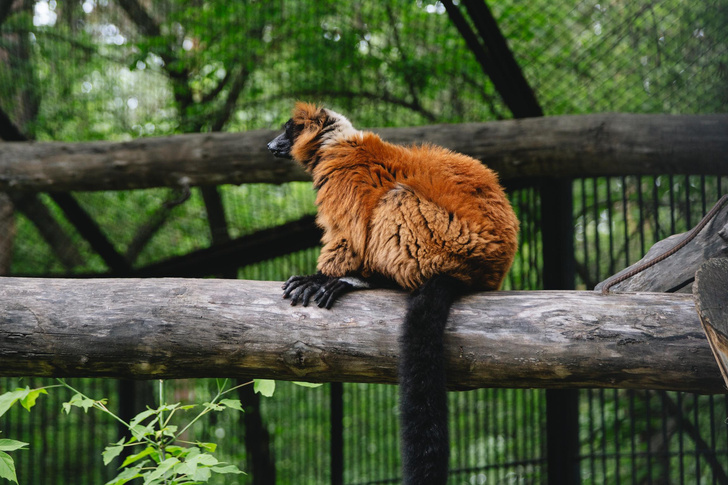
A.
pixel 340 127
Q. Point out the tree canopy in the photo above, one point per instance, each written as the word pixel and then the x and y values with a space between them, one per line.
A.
pixel 127 68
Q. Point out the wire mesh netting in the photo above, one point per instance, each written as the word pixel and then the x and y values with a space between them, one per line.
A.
pixel 121 69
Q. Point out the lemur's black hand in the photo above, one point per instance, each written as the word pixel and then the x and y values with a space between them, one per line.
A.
pixel 325 290
pixel 301 288
pixel 331 291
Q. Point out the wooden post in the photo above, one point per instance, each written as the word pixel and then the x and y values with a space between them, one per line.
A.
pixel 711 299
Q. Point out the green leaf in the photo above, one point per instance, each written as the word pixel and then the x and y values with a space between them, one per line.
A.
pixel 11 445
pixel 170 431
pixel 7 467
pixel 167 407
pixel 139 431
pixel 79 401
pixel 187 468
pixel 138 456
pixel 112 451
pixel 178 451
pixel 209 447
pixel 9 398
pixel 266 387
pixel 202 474
pixel 162 468
pixel 232 403
pixel 29 401
pixel 142 416
pixel 126 476
pixel 214 406
pixel 308 384
pixel 191 466
pixel 205 459
pixel 227 469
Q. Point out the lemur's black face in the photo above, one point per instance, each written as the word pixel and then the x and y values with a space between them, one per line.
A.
pixel 281 145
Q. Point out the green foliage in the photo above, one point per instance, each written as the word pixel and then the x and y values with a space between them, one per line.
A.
pixel 159 454
pixel 104 74
pixel 265 387
pixel 7 466
pixel 27 398
pixel 165 458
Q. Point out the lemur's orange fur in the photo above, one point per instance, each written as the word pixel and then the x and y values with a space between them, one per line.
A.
pixel 406 213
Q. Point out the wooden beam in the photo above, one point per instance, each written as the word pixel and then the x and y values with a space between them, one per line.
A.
pixel 548 147
pixel 179 328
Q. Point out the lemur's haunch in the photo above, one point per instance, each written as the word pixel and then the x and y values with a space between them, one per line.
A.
pixel 426 218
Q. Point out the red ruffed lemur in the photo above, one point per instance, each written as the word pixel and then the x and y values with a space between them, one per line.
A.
pixel 430 220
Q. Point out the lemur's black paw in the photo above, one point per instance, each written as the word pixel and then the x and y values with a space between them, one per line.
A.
pixel 325 290
pixel 301 288
pixel 331 291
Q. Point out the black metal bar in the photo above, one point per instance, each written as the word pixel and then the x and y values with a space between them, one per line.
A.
pixel 260 461
pixel 557 232
pixel 218 224
pixel 562 436
pixel 337 432
pixel 562 406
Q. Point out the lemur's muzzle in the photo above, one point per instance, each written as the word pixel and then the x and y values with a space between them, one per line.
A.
pixel 280 146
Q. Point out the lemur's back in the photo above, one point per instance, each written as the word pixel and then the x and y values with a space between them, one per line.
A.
pixel 416 212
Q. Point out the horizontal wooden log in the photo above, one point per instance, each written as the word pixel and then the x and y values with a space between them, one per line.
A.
pixel 177 328
pixel 562 146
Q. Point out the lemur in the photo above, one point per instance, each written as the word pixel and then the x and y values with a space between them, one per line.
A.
pixel 431 221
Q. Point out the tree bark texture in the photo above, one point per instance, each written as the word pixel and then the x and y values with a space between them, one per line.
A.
pixel 175 328
pixel 562 146
pixel 711 301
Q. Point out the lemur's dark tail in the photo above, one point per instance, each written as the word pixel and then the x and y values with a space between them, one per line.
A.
pixel 423 398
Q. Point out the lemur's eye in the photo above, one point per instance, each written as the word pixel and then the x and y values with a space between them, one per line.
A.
pixel 293 129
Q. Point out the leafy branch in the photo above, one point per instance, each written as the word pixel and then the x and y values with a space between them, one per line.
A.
pixel 165 457
pixel 162 461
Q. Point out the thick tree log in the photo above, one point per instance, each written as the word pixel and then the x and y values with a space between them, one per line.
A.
pixel 563 146
pixel 173 328
pixel 711 300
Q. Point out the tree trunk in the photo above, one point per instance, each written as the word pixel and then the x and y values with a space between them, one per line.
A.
pixel 174 328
